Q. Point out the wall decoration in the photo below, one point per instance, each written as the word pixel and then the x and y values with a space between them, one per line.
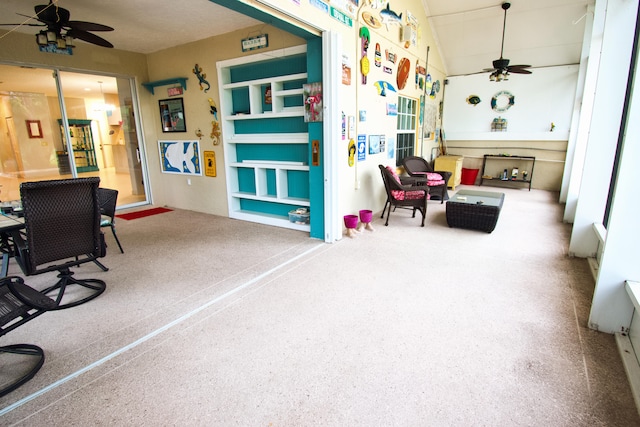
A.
pixel 174 91
pixel 362 115
pixel 213 109
pixel 392 109
pixel 421 72
pixel 365 38
pixel 371 20
pixel 387 70
pixel 34 128
pixel 253 43
pixel 404 68
pixel 431 111
pixel 209 163
pixel 378 55
pixel 389 17
pixel 412 22
pixel 341 16
pixel 318 4
pixel 204 85
pixel 215 132
pixel 352 153
pixel 473 100
pixel 502 101
pixel 383 87
pixel 374 144
pixel 390 56
pixel 180 157
pixel 352 126
pixel 362 148
pixel 312 98
pixel 346 70
pixel 391 148
pixel 172 115
pixel 267 95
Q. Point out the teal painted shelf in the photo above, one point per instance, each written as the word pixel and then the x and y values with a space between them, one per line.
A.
pixel 152 85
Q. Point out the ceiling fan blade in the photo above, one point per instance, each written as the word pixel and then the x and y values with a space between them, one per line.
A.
pixel 31 25
pixel 52 14
pixel 88 37
pixel 519 66
pixel 519 71
pixel 87 26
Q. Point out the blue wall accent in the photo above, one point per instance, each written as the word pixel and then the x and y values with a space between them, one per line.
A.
pixel 267 207
pixel 275 152
pixel 316 173
pixel 279 125
pixel 278 67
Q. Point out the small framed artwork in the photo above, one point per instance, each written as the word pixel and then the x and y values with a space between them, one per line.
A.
pixel 172 115
pixel 34 128
pixel 180 157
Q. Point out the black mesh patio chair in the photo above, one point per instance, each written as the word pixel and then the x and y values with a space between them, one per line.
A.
pixel 62 230
pixel 401 194
pixel 437 180
pixel 108 199
pixel 19 304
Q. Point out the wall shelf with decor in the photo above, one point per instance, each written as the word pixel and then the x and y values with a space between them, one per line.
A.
pixel 182 81
pixel 266 141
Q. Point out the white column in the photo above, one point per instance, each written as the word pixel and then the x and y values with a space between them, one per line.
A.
pixel 612 309
pixel 608 103
pixel 583 103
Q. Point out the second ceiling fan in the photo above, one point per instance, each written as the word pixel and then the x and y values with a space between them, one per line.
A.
pixel 501 68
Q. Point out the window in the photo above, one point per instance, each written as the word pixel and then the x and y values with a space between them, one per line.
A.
pixel 406 128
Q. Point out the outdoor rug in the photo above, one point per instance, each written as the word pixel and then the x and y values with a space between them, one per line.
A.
pixel 141 214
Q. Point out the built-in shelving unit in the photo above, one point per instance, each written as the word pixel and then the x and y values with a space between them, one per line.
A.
pixel 83 148
pixel 265 137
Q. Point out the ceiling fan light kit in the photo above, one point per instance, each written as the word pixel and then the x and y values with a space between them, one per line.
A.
pixel 501 68
pixel 61 32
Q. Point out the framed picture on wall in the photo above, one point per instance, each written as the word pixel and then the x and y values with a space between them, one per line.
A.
pixel 172 115
pixel 180 157
pixel 34 128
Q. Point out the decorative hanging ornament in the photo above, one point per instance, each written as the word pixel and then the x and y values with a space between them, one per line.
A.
pixel 502 101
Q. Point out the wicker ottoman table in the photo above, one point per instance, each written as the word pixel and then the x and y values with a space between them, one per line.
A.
pixel 476 210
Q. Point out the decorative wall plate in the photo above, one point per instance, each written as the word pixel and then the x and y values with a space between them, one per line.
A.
pixel 371 20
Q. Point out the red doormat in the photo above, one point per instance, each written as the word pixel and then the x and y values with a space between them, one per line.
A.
pixel 142 214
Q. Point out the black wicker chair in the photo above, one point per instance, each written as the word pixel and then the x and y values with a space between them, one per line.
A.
pixel 19 304
pixel 62 230
pixel 403 194
pixel 108 199
pixel 419 167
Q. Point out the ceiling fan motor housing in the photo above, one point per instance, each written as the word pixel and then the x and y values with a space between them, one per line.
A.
pixel 500 64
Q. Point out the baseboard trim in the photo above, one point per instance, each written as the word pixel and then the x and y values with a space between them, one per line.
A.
pixel 631 365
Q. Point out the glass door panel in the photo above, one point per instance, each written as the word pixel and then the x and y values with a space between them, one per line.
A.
pixel 99 139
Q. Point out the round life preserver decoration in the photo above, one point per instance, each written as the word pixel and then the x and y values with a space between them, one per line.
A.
pixel 502 101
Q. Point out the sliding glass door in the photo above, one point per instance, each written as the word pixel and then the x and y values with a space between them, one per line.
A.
pixel 60 124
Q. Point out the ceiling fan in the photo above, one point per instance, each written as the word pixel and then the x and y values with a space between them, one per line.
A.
pixel 60 30
pixel 501 68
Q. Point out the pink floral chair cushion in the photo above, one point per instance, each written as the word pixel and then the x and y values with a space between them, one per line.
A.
pixel 406 195
pixel 433 179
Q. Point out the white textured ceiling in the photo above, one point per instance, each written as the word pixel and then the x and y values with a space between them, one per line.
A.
pixel 541 32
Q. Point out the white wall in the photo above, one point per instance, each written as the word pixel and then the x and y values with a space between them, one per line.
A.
pixel 542 97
